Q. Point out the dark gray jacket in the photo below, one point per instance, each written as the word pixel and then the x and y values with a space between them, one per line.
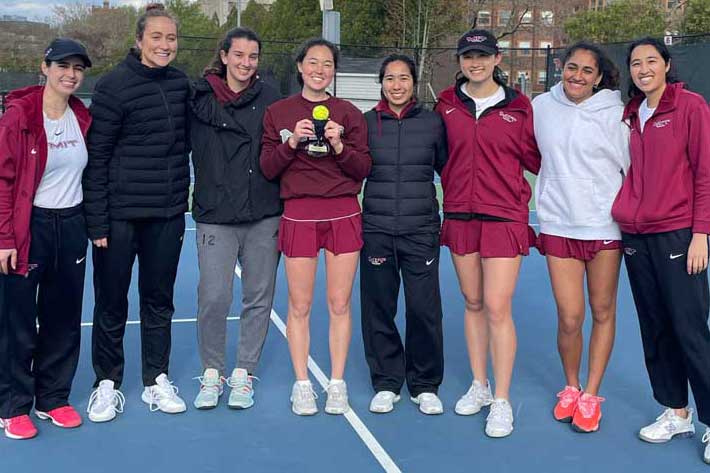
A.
pixel 400 197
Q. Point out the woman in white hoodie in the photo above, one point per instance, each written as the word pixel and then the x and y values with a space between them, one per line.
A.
pixel 585 155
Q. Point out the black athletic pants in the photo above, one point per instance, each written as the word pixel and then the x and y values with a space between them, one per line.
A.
pixel 382 259
pixel 673 310
pixel 157 243
pixel 38 365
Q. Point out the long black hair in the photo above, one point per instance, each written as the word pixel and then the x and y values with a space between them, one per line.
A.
pixel 607 68
pixel 662 50
pixel 401 58
pixel 305 47
pixel 217 67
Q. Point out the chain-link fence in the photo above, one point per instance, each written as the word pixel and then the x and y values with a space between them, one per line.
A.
pixel 532 71
pixel 690 59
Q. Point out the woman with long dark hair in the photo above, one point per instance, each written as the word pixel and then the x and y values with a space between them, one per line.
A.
pixel 401 233
pixel 136 184
pixel 490 138
pixel 42 243
pixel 579 179
pixel 316 145
pixel 237 213
pixel 663 210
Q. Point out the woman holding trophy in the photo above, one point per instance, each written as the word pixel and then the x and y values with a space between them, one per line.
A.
pixel 316 145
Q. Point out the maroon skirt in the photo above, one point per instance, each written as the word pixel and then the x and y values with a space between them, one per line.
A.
pixel 583 250
pixel 310 224
pixel 489 238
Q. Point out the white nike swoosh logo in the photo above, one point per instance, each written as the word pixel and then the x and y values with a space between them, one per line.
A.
pixel 606 242
pixel 450 110
pixel 429 262
pixel 676 256
pixel 78 261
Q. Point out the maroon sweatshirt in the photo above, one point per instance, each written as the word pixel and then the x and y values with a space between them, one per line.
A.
pixel 668 184
pixel 305 176
pixel 487 156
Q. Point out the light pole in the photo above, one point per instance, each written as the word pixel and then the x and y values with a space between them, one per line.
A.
pixel 239 13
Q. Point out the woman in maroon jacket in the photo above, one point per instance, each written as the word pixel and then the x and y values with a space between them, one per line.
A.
pixel 663 209
pixel 317 145
pixel 491 141
pixel 43 243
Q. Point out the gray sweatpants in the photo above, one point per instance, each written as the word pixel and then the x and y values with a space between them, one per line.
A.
pixel 219 247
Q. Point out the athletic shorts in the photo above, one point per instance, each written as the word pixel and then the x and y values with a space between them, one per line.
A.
pixel 583 250
pixel 489 238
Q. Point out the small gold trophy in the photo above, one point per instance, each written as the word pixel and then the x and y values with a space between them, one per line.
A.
pixel 319 148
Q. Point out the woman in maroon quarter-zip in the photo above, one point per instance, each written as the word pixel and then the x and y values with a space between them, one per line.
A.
pixel 491 141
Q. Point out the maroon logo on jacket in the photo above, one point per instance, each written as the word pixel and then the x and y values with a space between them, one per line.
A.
pixel 507 117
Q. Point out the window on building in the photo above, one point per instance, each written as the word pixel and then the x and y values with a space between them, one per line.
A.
pixel 543 47
pixel 547 17
pixel 527 18
pixel 524 47
pixel 484 18
pixel 504 47
pixel 503 17
pixel 541 77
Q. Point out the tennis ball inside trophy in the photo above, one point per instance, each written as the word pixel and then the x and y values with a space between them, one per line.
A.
pixel 319 148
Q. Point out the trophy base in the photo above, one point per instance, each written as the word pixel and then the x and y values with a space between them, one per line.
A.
pixel 317 151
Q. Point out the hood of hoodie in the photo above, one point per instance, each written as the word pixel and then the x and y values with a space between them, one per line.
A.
pixel 207 108
pixel 602 100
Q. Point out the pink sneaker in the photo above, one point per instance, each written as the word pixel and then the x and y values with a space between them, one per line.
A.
pixel 65 417
pixel 19 427
pixel 567 405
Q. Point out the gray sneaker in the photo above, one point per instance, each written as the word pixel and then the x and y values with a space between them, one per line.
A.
pixel 210 390
pixel 475 398
pixel 303 399
pixel 242 394
pixel 499 422
pixel 337 402
pixel 706 441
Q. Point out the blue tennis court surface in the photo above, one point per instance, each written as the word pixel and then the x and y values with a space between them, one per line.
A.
pixel 269 438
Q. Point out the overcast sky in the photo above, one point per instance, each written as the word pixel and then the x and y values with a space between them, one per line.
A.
pixel 42 9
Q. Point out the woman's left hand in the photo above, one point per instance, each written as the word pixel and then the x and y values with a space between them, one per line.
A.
pixel 698 253
pixel 333 133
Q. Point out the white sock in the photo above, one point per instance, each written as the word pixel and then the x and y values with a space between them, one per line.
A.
pixel 303 382
pixel 336 381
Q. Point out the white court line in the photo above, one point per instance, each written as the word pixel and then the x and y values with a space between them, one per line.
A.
pixel 358 425
pixel 137 322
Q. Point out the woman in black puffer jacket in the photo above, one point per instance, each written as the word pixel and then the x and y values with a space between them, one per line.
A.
pixel 401 233
pixel 135 195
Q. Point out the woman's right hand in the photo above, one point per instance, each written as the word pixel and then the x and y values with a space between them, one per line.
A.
pixel 100 243
pixel 303 129
pixel 8 260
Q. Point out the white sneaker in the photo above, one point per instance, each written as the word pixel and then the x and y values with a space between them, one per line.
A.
pixel 210 390
pixel 499 422
pixel 667 426
pixel 162 396
pixel 303 399
pixel 429 403
pixel 337 401
pixel 706 441
pixel 105 402
pixel 475 398
pixel 383 402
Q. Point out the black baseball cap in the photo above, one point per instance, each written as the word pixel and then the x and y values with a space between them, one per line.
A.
pixel 62 48
pixel 477 40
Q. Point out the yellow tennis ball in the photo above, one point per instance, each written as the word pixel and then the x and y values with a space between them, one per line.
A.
pixel 321 112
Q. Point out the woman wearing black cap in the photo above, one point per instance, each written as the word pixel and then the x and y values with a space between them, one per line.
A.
pixel 42 243
pixel 491 141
